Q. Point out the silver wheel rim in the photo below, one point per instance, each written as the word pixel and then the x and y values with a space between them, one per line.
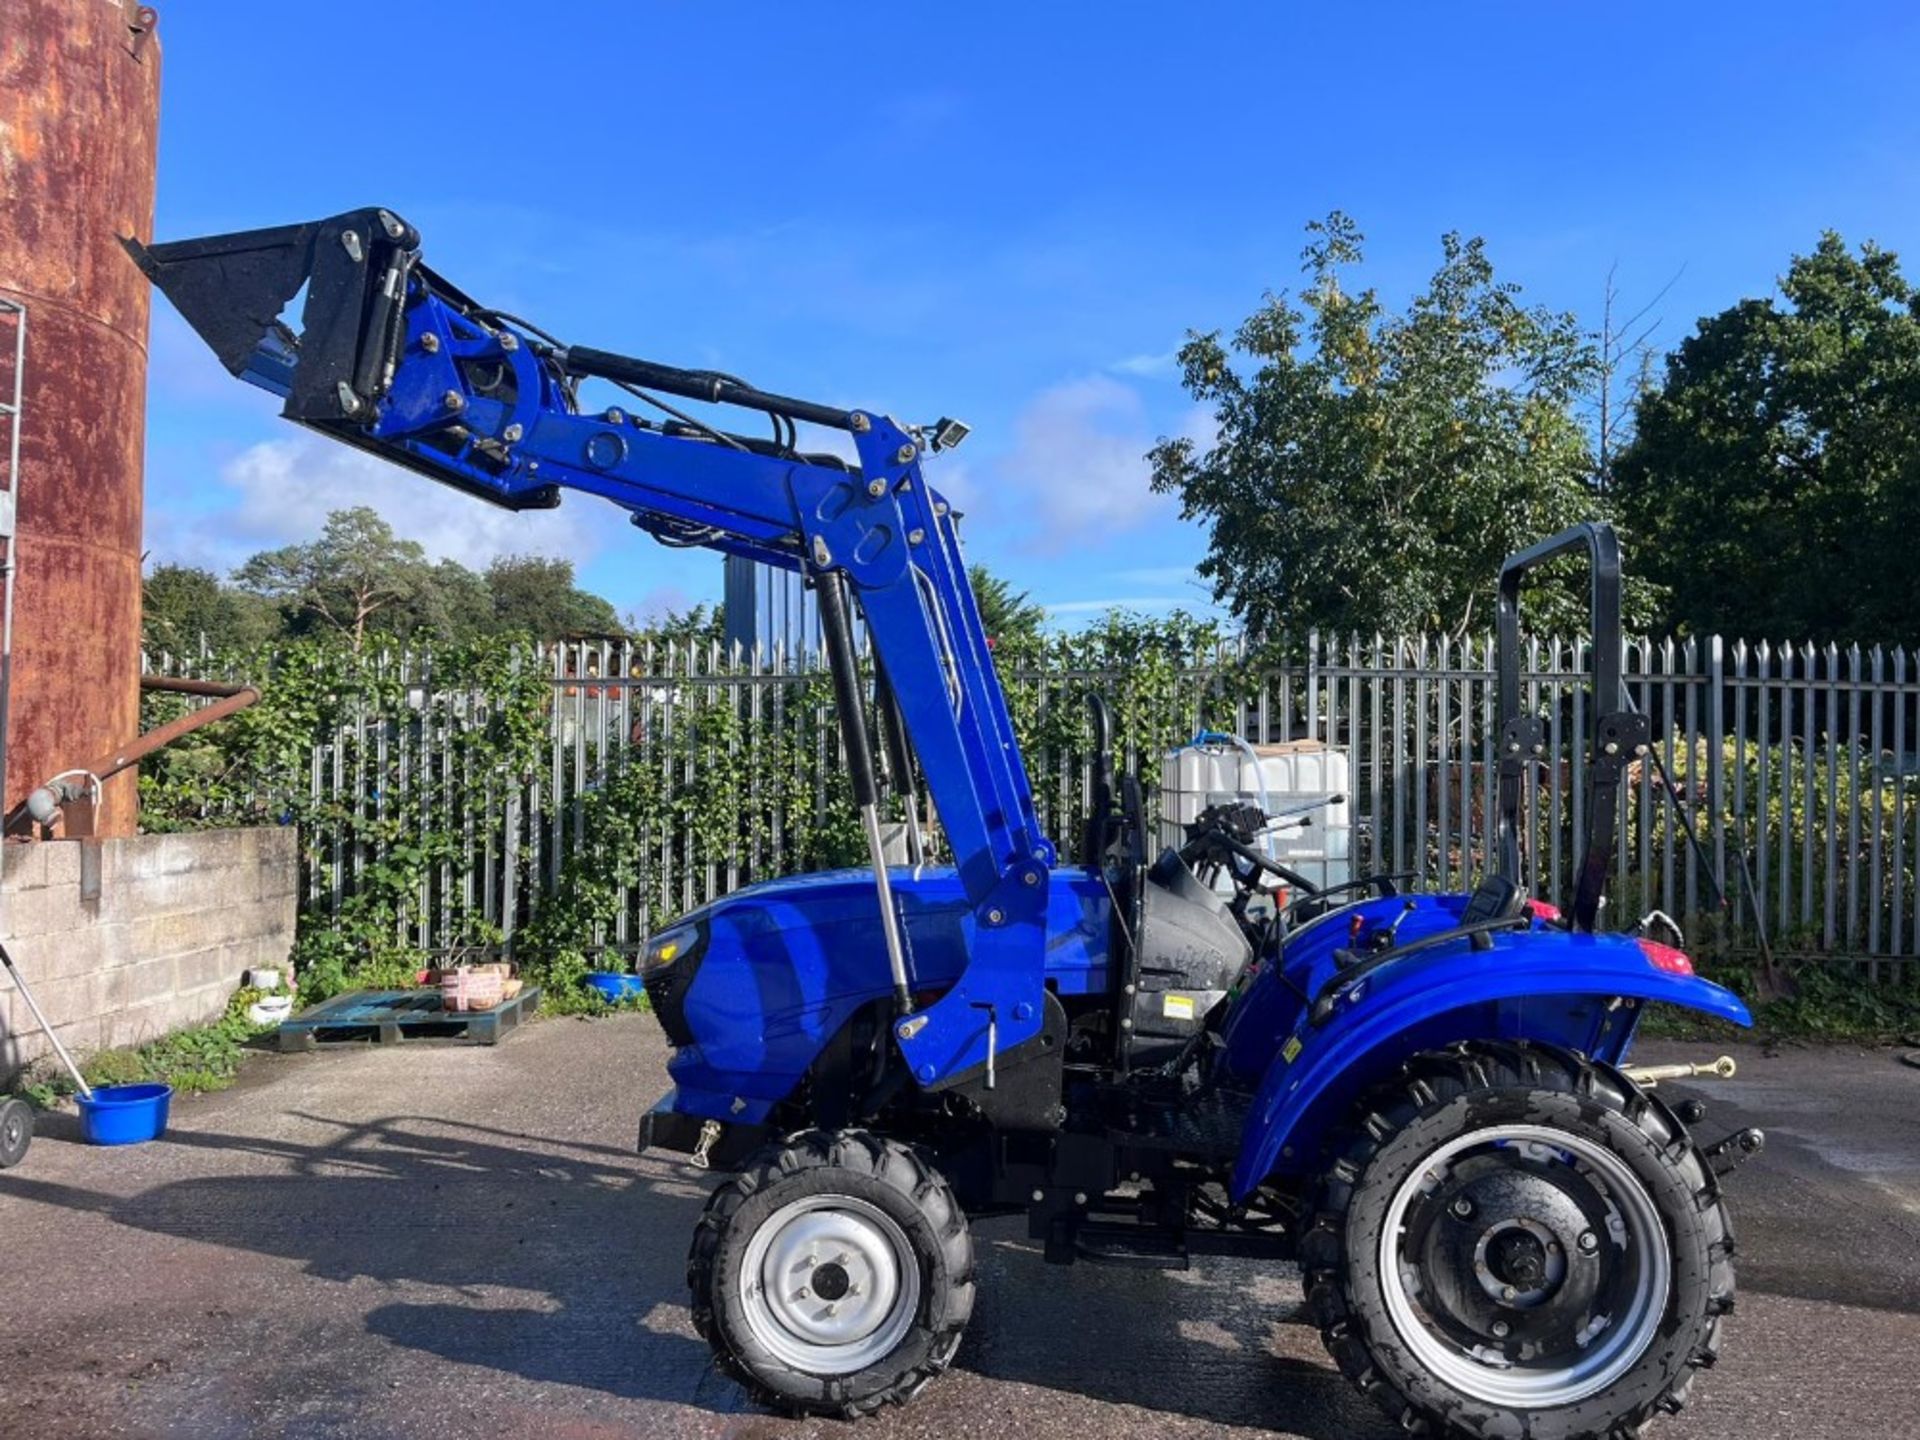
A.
pixel 1621 1250
pixel 829 1284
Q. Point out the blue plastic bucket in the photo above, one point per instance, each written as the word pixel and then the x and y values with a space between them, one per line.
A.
pixel 124 1114
pixel 614 987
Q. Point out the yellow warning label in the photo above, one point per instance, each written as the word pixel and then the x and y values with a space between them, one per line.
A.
pixel 1291 1050
pixel 1177 1007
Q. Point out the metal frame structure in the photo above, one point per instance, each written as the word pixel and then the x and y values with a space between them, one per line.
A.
pixel 11 412
pixel 392 358
pixel 1619 734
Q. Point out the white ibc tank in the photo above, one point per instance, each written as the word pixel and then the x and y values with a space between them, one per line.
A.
pixel 1295 774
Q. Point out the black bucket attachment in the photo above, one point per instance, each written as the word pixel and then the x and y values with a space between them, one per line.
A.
pixel 233 288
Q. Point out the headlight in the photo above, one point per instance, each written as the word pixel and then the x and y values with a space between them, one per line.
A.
pixel 668 963
pixel 665 948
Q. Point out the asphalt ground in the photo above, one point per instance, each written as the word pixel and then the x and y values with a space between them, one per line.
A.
pixel 426 1242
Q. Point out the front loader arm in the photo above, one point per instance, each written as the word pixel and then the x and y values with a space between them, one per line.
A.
pixel 392 359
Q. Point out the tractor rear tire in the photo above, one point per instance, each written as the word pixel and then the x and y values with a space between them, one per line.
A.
pixel 1514 1241
pixel 833 1275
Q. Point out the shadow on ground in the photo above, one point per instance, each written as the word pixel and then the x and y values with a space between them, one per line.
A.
pixel 566 1265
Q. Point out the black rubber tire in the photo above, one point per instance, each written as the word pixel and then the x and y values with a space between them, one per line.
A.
pixel 1441 1095
pixel 16 1130
pixel 883 1173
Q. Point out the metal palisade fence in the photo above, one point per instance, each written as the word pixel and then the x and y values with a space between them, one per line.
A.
pixel 1798 761
pixel 1781 791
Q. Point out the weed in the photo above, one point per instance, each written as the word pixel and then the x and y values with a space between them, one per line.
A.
pixel 1829 1003
pixel 193 1061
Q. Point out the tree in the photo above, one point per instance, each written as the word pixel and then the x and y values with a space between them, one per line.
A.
pixel 1007 615
pixel 702 624
pixel 356 571
pixel 536 596
pixel 455 605
pixel 1623 372
pixel 1778 464
pixel 1371 470
pixel 184 607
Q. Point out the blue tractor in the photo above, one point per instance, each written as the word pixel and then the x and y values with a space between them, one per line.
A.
pixel 1423 1100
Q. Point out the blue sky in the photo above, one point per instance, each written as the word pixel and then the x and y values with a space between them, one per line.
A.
pixel 1008 213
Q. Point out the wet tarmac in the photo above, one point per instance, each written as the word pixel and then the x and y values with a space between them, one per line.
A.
pixel 460 1242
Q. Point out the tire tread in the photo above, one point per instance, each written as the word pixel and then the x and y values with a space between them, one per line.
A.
pixel 1429 1081
pixel 861 1153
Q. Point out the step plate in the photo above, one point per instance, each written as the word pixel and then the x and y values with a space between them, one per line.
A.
pixel 1208 1129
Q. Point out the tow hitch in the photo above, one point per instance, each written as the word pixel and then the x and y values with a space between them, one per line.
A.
pixel 1724 1156
pixel 1648 1076
pixel 1731 1153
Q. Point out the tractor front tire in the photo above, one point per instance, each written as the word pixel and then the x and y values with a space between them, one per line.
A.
pixel 833 1275
pixel 1512 1241
pixel 16 1130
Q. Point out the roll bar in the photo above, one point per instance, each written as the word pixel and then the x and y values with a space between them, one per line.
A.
pixel 1619 734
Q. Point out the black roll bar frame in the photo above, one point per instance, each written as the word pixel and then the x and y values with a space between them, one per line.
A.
pixel 1620 734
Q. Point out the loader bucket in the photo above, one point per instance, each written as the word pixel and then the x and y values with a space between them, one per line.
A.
pixel 232 289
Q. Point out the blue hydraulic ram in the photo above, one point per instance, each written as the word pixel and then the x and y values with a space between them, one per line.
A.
pixel 1422 1099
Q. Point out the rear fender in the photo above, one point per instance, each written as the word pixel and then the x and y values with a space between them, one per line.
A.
pixel 1547 986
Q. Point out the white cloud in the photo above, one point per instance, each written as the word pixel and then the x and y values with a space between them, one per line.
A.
pixel 1146 365
pixel 1080 463
pixel 281 491
pixel 1128 602
pixel 1159 575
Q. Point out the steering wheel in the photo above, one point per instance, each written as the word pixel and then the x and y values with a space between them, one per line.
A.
pixel 1387 883
pixel 1211 843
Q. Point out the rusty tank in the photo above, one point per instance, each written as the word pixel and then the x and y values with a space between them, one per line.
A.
pixel 79 112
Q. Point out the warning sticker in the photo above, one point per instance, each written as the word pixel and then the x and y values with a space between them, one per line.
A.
pixel 1177 1007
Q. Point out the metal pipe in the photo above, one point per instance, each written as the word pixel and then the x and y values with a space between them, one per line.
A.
pixel 7 566
pixel 697 385
pixel 900 760
pixel 142 746
pixel 20 984
pixel 178 685
pixel 836 630
pixel 162 736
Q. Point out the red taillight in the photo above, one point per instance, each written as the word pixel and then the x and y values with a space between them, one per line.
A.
pixel 1665 957
pixel 1541 910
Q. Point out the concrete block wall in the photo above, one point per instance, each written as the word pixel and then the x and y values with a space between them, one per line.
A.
pixel 123 940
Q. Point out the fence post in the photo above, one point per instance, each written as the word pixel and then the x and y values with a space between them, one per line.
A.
pixel 510 865
pixel 1313 685
pixel 1717 770
pixel 1773 782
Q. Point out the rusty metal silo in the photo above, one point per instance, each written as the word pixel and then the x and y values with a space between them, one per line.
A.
pixel 79 110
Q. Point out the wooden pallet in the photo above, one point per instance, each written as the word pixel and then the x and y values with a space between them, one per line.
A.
pixel 387 1015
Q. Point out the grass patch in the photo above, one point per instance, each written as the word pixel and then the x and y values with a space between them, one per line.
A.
pixel 586 1001
pixel 1830 1004
pixel 193 1061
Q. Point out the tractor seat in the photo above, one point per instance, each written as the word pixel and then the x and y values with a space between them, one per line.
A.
pixel 1494 898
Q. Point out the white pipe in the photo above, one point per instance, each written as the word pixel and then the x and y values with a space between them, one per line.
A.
pixel 1260 778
